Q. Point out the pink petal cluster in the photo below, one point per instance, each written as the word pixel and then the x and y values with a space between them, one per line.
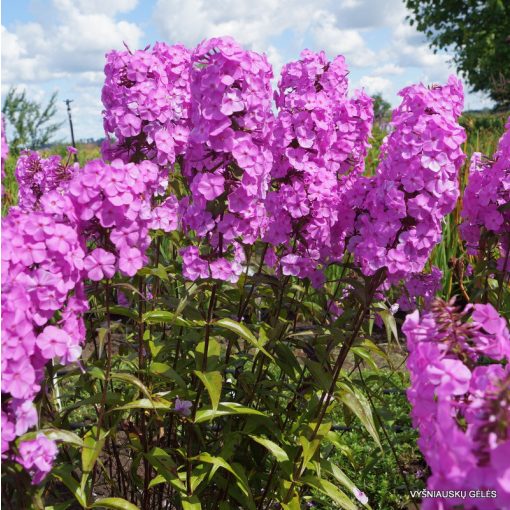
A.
pixel 37 456
pixel 319 143
pixel 147 105
pixel 42 267
pixel 461 404
pixel 37 176
pixel 228 160
pixel 486 199
pixel 399 211
pixel 112 204
pixel 420 285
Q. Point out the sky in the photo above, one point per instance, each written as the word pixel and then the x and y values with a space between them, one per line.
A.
pixel 59 45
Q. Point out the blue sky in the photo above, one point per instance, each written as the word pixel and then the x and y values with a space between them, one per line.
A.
pixel 59 45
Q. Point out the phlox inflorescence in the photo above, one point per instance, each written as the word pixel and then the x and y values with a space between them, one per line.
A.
pixel 460 402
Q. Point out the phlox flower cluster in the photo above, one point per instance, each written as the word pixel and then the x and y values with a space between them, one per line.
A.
pixel 112 204
pixel 486 199
pixel 399 211
pixel 37 176
pixel 293 181
pixel 228 160
pixel 319 143
pixel 420 285
pixel 42 265
pixel 37 456
pixel 461 403
pixel 146 102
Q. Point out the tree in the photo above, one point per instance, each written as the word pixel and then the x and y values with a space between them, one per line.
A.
pixel 478 33
pixel 32 123
pixel 382 108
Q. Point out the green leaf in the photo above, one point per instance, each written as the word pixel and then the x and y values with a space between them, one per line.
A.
pixel 309 449
pixel 156 403
pixel 213 354
pixel 111 398
pixel 359 405
pixel 366 356
pixel 160 272
pixel 338 474
pixel 287 361
pixel 279 453
pixel 213 383
pixel 93 443
pixel 166 371
pixel 327 488
pixel 63 474
pixel 60 506
pixel 54 434
pixel 320 376
pixel 120 310
pixel 165 466
pixel 190 503
pixel 224 409
pixel 113 504
pixel 219 462
pixel 66 436
pixel 156 481
pixel 294 502
pixel 369 345
pixel 242 331
pixel 165 316
pixel 101 333
pixel 198 475
pixel 389 323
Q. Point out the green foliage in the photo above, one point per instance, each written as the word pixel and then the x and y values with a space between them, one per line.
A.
pixel 478 33
pixel 31 121
pixel 258 407
pixel 385 476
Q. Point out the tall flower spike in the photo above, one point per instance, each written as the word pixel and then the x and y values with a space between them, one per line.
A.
pixel 319 143
pixel 147 105
pixel 399 211
pixel 227 163
pixel 461 404
pixel 486 199
pixel 43 301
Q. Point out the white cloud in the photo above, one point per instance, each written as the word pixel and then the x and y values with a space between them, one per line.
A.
pixel 376 85
pixel 73 41
pixel 359 14
pixel 389 69
pixel 64 49
pixel 109 7
pixel 252 23
pixel 337 41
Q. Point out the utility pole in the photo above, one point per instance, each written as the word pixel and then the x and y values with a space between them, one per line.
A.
pixel 68 103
